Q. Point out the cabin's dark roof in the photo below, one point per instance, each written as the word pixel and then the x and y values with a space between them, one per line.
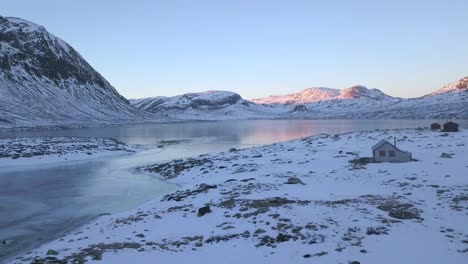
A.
pixel 450 123
pixel 381 143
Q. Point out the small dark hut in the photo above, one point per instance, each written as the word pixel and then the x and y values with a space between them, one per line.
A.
pixel 436 126
pixel 450 127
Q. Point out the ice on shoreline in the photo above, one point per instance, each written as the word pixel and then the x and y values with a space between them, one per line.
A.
pixel 48 150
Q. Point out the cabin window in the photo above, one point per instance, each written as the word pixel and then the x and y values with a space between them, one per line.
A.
pixel 391 153
pixel 382 153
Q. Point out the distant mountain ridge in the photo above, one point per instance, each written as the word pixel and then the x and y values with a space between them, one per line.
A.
pixel 43 80
pixel 356 102
pixel 210 105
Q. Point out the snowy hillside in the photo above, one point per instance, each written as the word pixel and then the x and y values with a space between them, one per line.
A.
pixel 361 92
pixel 451 101
pixel 324 94
pixel 43 80
pixel 302 97
pixel 357 102
pixel 216 105
pixel 210 105
pixel 206 100
pixel 454 88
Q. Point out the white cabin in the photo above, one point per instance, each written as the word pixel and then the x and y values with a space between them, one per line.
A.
pixel 384 151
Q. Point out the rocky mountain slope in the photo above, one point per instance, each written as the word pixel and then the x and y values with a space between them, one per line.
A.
pixel 43 80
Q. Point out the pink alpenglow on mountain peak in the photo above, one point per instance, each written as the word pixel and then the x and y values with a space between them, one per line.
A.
pixel 312 95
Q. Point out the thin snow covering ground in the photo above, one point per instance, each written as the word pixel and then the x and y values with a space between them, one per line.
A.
pixel 295 202
pixel 35 151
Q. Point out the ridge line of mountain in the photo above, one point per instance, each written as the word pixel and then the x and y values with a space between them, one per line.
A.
pixel 45 81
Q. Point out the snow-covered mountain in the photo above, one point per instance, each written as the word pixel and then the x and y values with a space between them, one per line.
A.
pixel 348 103
pixel 361 92
pixel 460 87
pixel 451 101
pixel 311 95
pixel 356 102
pixel 310 103
pixel 210 105
pixel 209 100
pixel 43 80
pixel 302 97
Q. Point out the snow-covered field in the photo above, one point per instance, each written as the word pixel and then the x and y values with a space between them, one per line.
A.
pixel 294 202
pixel 38 151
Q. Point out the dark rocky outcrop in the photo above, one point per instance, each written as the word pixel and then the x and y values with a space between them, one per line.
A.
pixel 294 180
pixel 300 108
pixel 204 210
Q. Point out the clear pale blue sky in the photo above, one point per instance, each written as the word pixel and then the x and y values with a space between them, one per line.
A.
pixel 257 48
